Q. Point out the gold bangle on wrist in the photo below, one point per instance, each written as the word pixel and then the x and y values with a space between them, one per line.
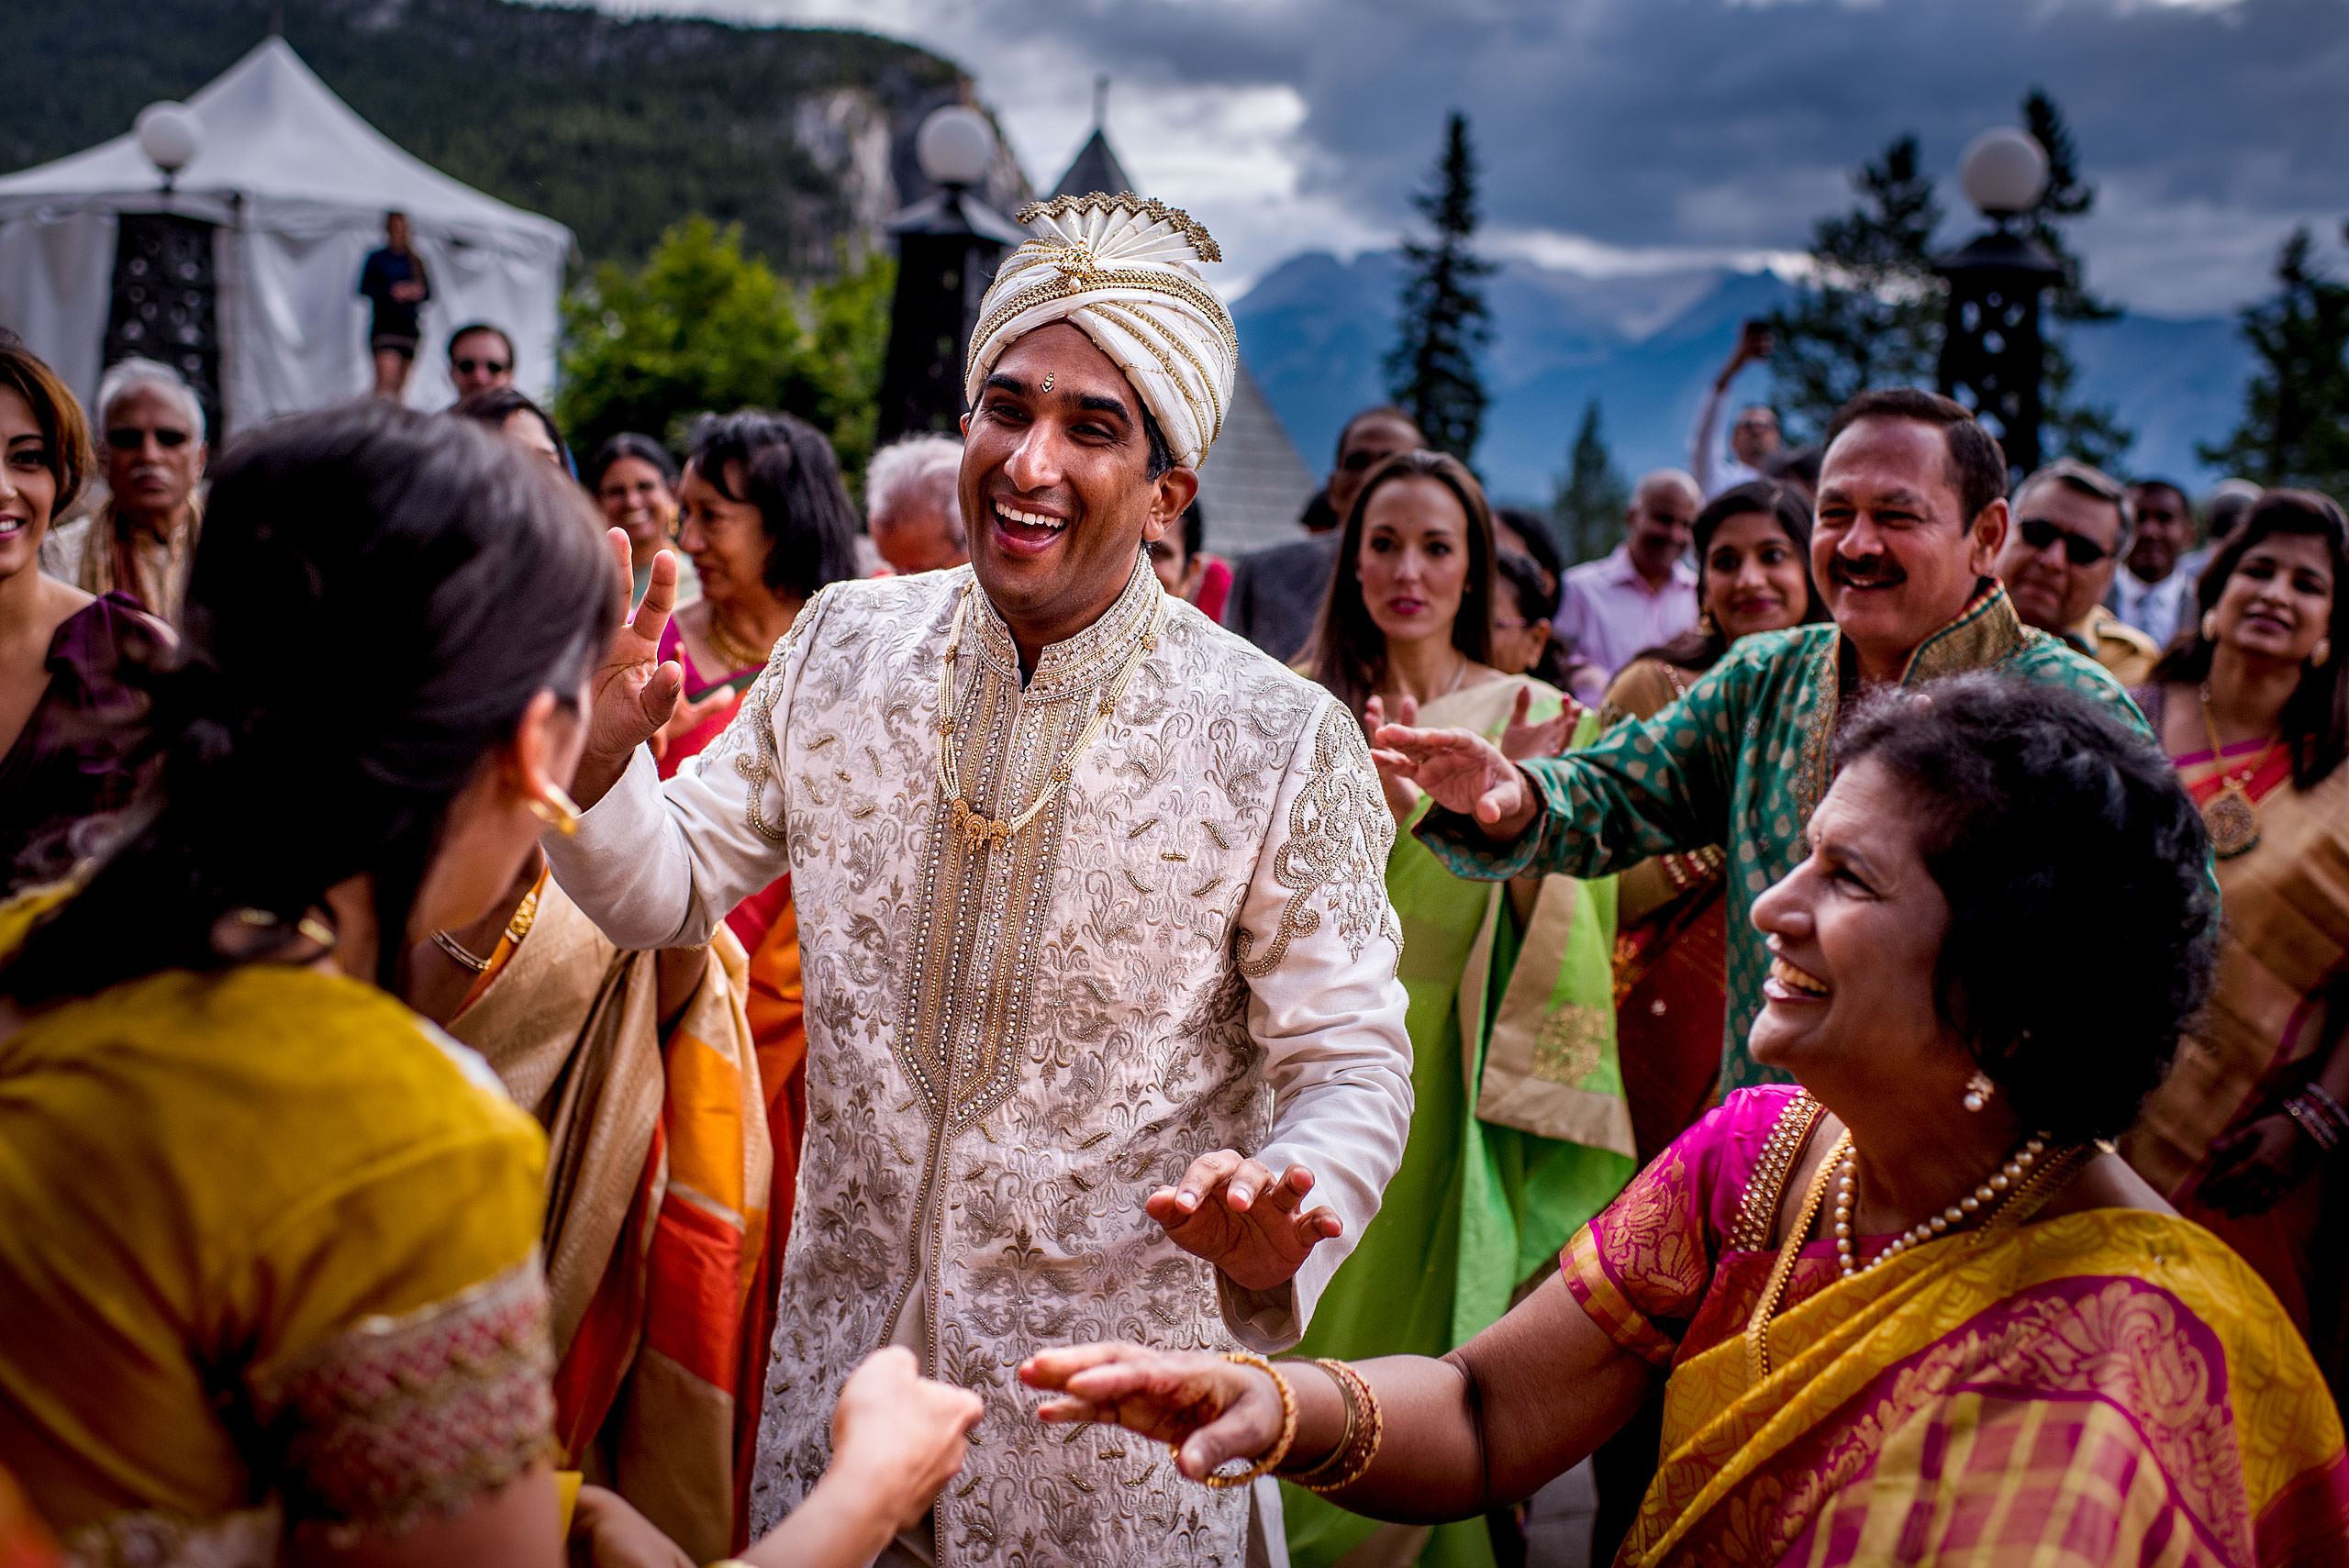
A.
pixel 1365 1431
pixel 1279 1451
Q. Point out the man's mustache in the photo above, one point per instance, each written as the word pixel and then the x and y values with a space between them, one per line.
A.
pixel 1874 572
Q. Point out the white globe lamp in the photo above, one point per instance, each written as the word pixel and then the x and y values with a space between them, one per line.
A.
pixel 2003 171
pixel 955 146
pixel 171 136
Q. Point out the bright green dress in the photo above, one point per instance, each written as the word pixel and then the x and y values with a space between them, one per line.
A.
pixel 1478 1205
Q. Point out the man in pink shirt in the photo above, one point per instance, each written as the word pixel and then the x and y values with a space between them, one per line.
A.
pixel 1641 593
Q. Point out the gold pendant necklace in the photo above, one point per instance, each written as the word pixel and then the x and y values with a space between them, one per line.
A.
pixel 738 652
pixel 982 832
pixel 2231 816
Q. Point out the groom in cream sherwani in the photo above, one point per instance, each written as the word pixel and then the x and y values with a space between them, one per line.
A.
pixel 1105 1038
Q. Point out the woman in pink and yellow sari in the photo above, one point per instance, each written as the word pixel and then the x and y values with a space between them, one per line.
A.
pixel 1912 1308
pixel 2253 708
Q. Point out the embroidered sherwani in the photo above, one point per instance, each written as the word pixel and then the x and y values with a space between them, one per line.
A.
pixel 1741 761
pixel 1190 949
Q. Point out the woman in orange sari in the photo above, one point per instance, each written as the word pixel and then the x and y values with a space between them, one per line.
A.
pixel 1911 1310
pixel 2253 706
pixel 767 523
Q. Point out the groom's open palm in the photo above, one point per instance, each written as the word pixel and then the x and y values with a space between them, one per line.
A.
pixel 1229 1210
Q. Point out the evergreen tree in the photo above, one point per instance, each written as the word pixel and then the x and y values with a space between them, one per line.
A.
pixel 1432 370
pixel 1591 496
pixel 2294 427
pixel 1872 315
pixel 2068 428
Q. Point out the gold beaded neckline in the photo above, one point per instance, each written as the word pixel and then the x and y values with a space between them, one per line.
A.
pixel 983 832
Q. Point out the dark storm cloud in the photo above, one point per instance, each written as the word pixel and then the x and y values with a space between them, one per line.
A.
pixel 2210 126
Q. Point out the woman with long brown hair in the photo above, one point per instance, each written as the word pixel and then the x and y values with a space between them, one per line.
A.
pixel 1517 1132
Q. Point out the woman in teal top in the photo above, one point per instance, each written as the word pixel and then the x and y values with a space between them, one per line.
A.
pixel 1520 1132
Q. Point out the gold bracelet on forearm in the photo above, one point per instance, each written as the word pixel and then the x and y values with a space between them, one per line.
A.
pixel 1279 1451
pixel 1365 1430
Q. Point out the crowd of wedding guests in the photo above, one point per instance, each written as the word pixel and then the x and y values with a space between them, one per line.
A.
pixel 355 640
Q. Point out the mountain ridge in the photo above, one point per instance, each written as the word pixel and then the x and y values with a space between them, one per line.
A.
pixel 1315 328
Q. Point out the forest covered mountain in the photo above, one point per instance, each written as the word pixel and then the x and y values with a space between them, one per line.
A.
pixel 617 126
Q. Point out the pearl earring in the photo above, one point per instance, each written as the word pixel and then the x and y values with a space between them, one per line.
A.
pixel 1978 1090
pixel 2321 654
pixel 2209 626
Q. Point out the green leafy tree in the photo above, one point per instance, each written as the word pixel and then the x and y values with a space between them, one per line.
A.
pixel 1592 494
pixel 703 327
pixel 2068 428
pixel 1872 316
pixel 2295 428
pixel 1431 371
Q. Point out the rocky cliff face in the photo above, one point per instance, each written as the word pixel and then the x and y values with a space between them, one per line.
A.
pixel 616 125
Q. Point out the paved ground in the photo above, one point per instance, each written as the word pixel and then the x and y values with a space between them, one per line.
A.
pixel 1557 1531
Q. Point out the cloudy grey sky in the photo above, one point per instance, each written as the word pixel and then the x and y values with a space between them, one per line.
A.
pixel 1640 134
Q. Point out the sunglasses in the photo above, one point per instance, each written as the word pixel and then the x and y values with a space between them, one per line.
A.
pixel 2039 533
pixel 123 439
pixel 467 367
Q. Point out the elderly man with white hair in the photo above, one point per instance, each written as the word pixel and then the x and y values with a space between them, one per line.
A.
pixel 1103 1033
pixel 140 540
pixel 910 506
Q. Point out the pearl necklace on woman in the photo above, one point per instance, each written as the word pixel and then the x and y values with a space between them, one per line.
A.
pixel 1993 1191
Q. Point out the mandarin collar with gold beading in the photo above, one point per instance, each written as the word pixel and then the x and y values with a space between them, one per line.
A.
pixel 1077 663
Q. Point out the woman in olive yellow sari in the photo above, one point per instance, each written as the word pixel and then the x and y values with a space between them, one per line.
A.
pixel 1912 1310
pixel 2253 705
pixel 1517 1127
pixel 270 1279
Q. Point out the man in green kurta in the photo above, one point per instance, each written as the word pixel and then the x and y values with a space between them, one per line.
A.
pixel 1912 513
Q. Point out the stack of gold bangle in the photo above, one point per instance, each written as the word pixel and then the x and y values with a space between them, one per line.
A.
pixel 1279 1451
pixel 1365 1430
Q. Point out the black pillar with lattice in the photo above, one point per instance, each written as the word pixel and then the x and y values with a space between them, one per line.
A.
pixel 166 301
pixel 1992 354
pixel 948 249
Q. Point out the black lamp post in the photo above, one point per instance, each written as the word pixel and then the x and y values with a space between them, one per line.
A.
pixel 948 248
pixel 1992 354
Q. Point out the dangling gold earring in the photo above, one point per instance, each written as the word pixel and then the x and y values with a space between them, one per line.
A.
pixel 2209 626
pixel 1706 624
pixel 556 809
pixel 2320 654
pixel 1978 1090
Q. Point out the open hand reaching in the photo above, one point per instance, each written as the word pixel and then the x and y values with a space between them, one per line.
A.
pixel 1229 1210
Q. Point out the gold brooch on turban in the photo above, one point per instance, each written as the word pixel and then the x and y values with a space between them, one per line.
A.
pixel 1125 271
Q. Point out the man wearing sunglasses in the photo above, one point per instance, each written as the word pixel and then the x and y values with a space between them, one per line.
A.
pixel 2072 525
pixel 141 540
pixel 481 356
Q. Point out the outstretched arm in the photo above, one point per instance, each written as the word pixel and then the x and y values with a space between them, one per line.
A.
pixel 1486 1426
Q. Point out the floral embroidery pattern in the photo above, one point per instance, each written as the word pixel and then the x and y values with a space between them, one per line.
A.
pixel 1339 835
pixel 401 1416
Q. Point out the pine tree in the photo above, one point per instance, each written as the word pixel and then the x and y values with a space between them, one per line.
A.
pixel 1592 494
pixel 1873 316
pixel 2068 428
pixel 2294 427
pixel 1431 371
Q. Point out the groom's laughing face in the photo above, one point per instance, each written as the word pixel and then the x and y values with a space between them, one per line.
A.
pixel 1056 488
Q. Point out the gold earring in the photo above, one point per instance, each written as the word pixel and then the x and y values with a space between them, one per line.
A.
pixel 2320 654
pixel 1978 1090
pixel 556 809
pixel 2209 626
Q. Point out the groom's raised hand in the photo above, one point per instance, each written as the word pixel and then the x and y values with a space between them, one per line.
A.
pixel 632 692
pixel 1231 1211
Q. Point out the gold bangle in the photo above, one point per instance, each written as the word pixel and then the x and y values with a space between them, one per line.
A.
pixel 1367 1437
pixel 1279 1451
pixel 1337 1458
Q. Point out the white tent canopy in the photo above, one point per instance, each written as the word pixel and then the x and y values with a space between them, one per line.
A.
pixel 299 185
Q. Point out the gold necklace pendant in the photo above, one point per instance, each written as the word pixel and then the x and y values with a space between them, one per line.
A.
pixel 2232 820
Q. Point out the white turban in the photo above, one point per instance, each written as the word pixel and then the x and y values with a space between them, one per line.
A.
pixel 1121 269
